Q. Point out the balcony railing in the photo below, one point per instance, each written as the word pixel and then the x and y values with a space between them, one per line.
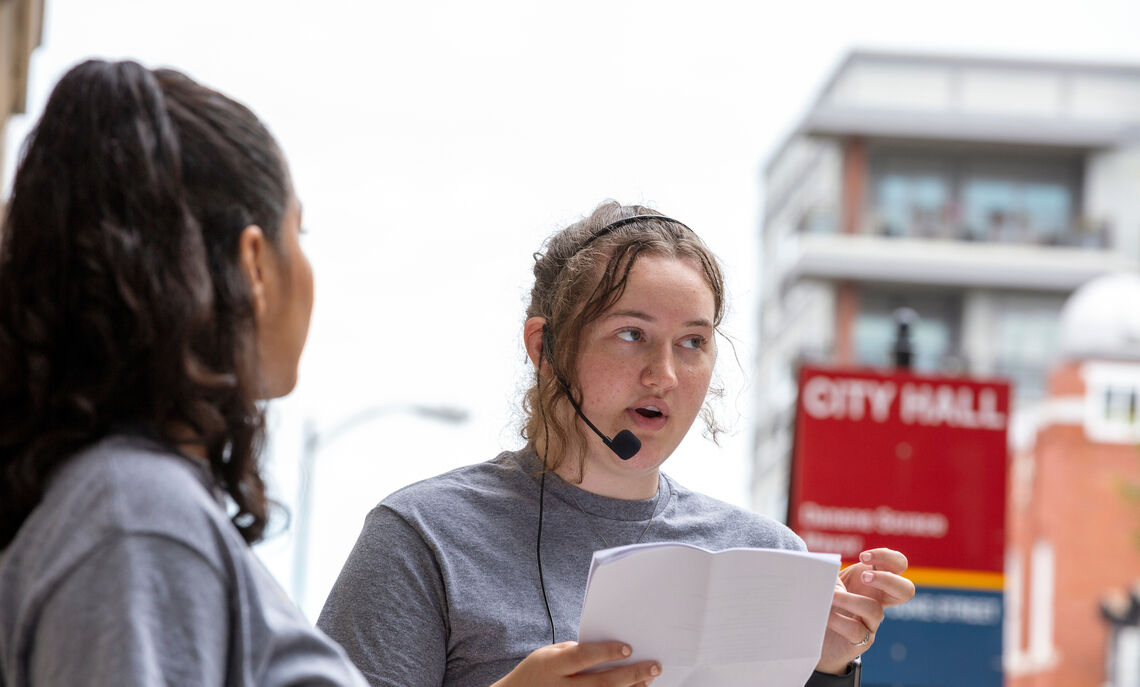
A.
pixel 1011 230
pixel 998 228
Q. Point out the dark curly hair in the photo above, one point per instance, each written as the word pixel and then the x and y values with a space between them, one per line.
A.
pixel 121 301
pixel 577 277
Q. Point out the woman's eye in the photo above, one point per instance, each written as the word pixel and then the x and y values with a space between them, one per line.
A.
pixel 630 335
pixel 693 342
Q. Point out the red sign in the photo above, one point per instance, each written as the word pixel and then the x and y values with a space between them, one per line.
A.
pixel 910 462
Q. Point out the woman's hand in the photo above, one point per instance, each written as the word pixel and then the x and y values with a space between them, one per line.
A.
pixel 861 593
pixel 563 663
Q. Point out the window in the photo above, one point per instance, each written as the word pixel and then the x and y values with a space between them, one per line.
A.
pixel 912 197
pixel 935 336
pixel 1024 335
pixel 1112 397
pixel 1120 405
pixel 1125 668
pixel 912 204
pixel 1020 197
pixel 1014 203
pixel 1041 595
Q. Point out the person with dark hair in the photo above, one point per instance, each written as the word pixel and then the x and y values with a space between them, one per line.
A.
pixel 471 578
pixel 152 290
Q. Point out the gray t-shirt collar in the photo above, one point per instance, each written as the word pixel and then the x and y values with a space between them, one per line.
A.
pixel 595 504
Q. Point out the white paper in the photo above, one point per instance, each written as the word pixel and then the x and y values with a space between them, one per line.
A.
pixel 734 618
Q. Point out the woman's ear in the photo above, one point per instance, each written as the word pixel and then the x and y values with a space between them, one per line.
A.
pixel 532 339
pixel 253 256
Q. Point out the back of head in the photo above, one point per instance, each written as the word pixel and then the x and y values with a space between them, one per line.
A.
pixel 121 302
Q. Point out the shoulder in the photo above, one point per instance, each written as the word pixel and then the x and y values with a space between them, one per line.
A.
pixel 724 525
pixel 124 486
pixel 494 484
pixel 124 497
pixel 131 536
pixel 448 508
pixel 136 486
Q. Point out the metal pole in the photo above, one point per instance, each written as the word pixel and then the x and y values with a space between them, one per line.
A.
pixel 312 442
pixel 902 353
pixel 304 508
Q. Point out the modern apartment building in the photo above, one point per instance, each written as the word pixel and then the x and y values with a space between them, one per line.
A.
pixel 21 29
pixel 979 192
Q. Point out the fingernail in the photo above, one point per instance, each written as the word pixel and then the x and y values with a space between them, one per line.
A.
pixel 654 670
pixel 865 556
pixel 868 576
pixel 626 650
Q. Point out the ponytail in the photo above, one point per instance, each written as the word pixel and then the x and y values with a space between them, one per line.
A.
pixel 120 297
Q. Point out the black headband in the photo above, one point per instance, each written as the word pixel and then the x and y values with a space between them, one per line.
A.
pixel 608 229
pixel 621 223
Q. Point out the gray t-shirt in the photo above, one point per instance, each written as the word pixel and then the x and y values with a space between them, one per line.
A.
pixel 129 572
pixel 442 587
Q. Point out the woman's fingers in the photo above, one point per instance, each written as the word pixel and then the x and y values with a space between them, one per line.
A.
pixel 624 676
pixel 866 610
pixel 884 559
pixel 586 656
pixel 863 591
pixel 854 630
pixel 562 662
pixel 893 589
pixel 879 574
pixel 574 657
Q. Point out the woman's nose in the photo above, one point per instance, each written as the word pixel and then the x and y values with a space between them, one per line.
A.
pixel 660 370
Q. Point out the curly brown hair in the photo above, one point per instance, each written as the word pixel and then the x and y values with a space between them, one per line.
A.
pixel 122 306
pixel 577 277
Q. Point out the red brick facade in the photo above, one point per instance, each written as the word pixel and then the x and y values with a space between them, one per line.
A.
pixel 1068 491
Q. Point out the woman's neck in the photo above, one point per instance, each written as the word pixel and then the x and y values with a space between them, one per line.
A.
pixel 611 484
pixel 187 441
pixel 644 487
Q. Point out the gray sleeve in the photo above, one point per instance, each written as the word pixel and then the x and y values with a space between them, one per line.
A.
pixel 388 607
pixel 139 610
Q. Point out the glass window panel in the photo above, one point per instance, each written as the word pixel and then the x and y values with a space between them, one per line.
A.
pixel 1027 198
pixel 874 336
pixel 988 208
pixel 910 204
pixel 934 336
pixel 1048 208
pixel 1025 340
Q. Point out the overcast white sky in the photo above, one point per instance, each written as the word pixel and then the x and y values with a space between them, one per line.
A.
pixel 435 144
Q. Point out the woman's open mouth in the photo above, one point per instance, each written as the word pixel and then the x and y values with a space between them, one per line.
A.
pixel 650 417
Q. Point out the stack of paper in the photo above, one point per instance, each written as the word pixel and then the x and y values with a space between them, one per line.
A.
pixel 739 617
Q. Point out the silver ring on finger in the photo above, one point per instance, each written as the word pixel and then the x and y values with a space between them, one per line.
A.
pixel 866 640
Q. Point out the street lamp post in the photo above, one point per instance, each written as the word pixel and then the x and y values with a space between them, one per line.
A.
pixel 314 440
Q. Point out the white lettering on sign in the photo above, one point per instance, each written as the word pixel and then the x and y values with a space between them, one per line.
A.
pixel 881 520
pixel 949 608
pixel 933 525
pixel 815 516
pixel 840 399
pixel 846 545
pixel 932 405
pixel 943 404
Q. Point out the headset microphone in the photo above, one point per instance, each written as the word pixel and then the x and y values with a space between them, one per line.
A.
pixel 625 443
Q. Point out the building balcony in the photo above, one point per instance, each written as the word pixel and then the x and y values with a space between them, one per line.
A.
pixel 944 262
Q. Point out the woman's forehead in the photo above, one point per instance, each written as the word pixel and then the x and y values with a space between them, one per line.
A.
pixel 656 284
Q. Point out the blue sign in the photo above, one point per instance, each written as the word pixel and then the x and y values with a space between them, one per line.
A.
pixel 940 638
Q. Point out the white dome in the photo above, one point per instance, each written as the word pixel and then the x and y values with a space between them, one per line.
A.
pixel 1102 319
